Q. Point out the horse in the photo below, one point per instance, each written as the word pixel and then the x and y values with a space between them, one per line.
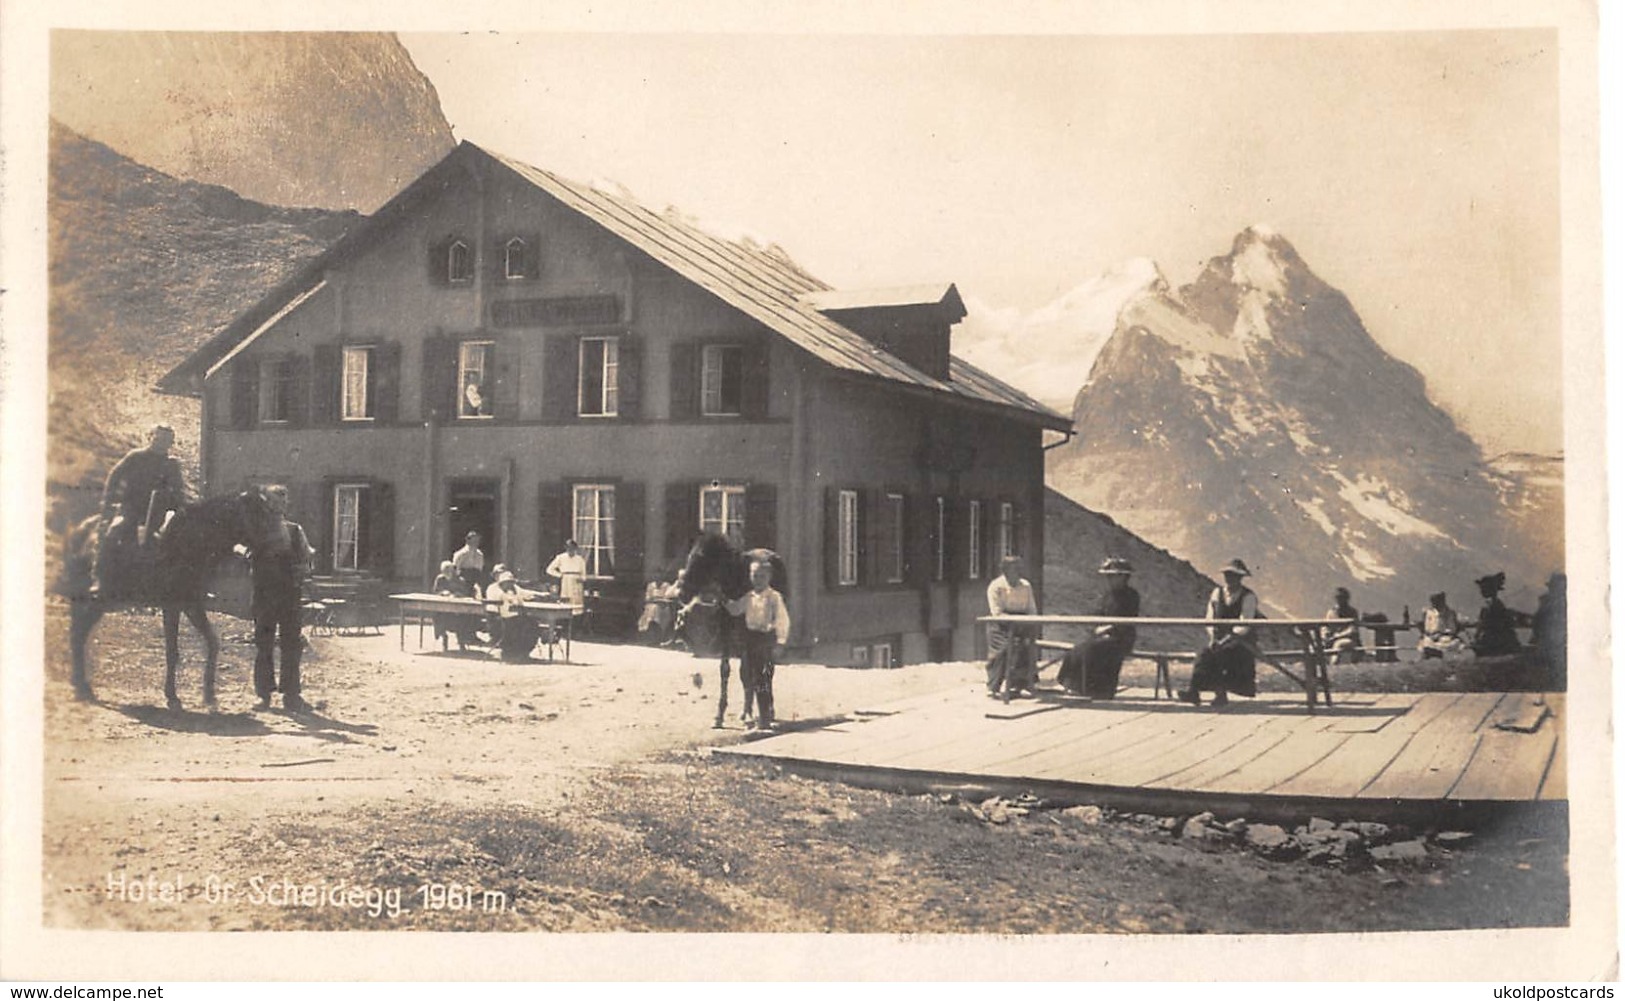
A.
pixel 172 575
pixel 716 563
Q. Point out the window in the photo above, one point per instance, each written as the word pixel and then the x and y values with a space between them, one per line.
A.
pixel 847 527
pixel 894 554
pixel 276 390
pixel 941 570
pixel 722 510
pixel 347 504
pixel 459 262
pixel 1006 537
pixel 600 368
pixel 880 656
pixel 513 259
pixel 974 563
pixel 594 527
pixel 357 402
pixel 722 378
pixel 473 375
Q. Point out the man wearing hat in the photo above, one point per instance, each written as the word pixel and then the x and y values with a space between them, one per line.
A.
pixel 278 565
pixel 1441 629
pixel 1012 665
pixel 1497 633
pixel 141 491
pixel 1093 666
pixel 1227 664
pixel 469 562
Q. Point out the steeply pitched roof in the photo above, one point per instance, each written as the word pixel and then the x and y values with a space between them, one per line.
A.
pixel 762 284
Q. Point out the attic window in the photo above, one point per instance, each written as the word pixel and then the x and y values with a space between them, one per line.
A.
pixel 459 262
pixel 514 264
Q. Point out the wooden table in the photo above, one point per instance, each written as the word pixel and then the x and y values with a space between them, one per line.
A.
pixel 1316 679
pixel 424 607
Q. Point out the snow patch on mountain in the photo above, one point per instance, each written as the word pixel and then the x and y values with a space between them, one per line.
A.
pixel 1048 351
pixel 1384 506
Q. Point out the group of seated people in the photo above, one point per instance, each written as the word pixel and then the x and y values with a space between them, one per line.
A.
pixel 1227 665
pixel 504 628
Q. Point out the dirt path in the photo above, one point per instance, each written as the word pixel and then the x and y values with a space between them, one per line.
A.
pixel 446 792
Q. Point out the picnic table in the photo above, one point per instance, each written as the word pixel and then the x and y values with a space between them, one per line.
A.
pixel 424 607
pixel 1315 680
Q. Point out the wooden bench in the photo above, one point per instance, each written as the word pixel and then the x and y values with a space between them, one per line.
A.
pixel 1315 679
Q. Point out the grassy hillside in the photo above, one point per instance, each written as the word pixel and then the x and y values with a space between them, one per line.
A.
pixel 144 268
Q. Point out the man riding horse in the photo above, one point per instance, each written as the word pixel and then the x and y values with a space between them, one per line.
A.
pixel 142 492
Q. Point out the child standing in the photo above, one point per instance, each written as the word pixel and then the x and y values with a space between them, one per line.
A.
pixel 767 629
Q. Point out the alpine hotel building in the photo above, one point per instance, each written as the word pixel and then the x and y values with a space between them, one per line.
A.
pixel 501 349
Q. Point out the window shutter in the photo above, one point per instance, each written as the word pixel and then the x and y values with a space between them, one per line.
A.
pixel 439 264
pixel 438 380
pixel 385 375
pixel 762 516
pixel 326 371
pixel 505 381
pixel 322 538
pixel 559 378
pixel 629 377
pixel 552 521
pixel 245 393
pixel 533 254
pixel 989 571
pixel 378 530
pixel 305 507
pixel 754 389
pixel 298 389
pixel 685 380
pixel 682 503
pixel 832 537
pixel 629 546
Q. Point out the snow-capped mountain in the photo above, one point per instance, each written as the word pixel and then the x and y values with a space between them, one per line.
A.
pixel 1048 351
pixel 1249 414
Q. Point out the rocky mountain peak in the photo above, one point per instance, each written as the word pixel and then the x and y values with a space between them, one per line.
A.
pixel 337 120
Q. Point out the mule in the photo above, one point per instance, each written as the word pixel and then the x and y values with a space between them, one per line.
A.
pixel 716 564
pixel 171 574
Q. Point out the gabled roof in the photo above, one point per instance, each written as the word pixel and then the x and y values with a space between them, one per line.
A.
pixel 761 283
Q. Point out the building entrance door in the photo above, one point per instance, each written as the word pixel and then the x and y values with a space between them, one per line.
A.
pixel 472 507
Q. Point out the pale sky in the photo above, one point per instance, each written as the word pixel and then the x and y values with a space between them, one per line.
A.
pixel 1417 172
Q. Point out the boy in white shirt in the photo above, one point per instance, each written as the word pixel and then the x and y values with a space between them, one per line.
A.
pixel 767 629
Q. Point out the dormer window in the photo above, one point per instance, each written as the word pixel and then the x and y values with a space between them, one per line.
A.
pixel 514 260
pixel 459 262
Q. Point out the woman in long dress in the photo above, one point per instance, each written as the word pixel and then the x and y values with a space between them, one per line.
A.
pixel 1227 666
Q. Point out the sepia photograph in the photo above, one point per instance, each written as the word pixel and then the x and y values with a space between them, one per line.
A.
pixel 969 485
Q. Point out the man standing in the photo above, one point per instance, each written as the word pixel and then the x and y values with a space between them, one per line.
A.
pixel 767 630
pixel 142 489
pixel 278 565
pixel 569 568
pixel 1012 666
pixel 469 563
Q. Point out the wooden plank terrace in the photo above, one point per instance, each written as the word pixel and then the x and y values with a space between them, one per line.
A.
pixel 1370 756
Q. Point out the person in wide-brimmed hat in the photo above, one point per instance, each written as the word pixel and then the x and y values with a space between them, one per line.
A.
pixel 1227 666
pixel 1497 633
pixel 1093 666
